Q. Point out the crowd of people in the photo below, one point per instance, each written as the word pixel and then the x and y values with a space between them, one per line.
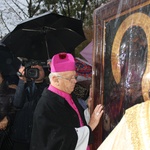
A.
pixel 42 115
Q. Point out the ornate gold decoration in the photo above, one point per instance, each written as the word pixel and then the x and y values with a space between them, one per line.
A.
pixel 137 19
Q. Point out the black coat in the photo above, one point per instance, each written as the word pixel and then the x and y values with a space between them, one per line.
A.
pixel 25 103
pixel 6 110
pixel 6 102
pixel 54 123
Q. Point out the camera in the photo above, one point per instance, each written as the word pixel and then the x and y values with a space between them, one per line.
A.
pixel 31 72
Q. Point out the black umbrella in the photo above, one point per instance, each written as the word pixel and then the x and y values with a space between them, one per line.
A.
pixel 43 36
pixel 9 64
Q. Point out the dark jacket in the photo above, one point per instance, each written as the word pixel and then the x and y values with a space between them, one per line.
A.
pixel 6 110
pixel 54 123
pixel 6 102
pixel 25 101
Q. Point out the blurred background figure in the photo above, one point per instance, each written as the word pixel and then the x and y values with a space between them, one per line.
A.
pixel 7 90
pixel 85 99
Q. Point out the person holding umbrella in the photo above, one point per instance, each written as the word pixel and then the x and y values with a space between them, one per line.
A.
pixel 58 121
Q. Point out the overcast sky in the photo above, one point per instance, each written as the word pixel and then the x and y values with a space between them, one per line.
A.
pixel 10 18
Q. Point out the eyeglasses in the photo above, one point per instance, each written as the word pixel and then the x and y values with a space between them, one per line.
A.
pixel 69 79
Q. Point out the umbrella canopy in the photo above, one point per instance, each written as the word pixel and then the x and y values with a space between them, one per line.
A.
pixel 43 36
pixel 87 52
pixel 9 64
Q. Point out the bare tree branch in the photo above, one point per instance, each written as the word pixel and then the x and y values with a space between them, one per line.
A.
pixel 83 10
pixel 68 8
pixel 33 9
pixel 13 9
pixel 61 4
pixel 5 25
pixel 37 7
pixel 19 8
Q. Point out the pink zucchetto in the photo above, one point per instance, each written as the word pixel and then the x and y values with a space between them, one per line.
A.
pixel 62 62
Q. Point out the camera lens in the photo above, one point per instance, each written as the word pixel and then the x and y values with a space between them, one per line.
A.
pixel 32 73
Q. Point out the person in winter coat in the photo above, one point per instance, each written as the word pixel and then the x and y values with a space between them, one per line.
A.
pixel 7 111
pixel 27 94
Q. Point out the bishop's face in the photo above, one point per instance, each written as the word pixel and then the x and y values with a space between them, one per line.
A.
pixel 67 81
